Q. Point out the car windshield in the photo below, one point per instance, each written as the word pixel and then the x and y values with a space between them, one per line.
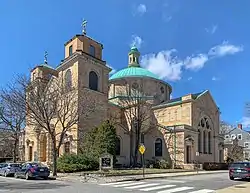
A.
pixel 14 165
pixel 240 165
pixel 36 164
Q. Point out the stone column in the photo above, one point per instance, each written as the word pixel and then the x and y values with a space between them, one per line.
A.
pixel 38 153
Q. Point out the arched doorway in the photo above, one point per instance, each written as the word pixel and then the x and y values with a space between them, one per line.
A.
pixel 43 148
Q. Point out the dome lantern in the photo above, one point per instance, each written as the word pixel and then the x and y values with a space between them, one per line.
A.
pixel 134 56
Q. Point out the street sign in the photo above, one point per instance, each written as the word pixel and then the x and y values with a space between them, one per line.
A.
pixel 142 149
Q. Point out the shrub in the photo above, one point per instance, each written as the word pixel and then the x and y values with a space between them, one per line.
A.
pixel 163 164
pixel 215 166
pixel 75 163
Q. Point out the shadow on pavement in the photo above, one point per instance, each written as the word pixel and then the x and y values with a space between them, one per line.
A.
pixel 29 185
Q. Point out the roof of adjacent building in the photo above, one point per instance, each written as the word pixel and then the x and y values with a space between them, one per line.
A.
pixel 179 99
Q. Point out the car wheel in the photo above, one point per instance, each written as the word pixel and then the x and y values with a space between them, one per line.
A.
pixel 15 175
pixel 46 178
pixel 231 178
pixel 27 177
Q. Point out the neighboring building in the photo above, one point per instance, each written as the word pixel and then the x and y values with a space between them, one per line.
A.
pixel 194 118
pixel 243 138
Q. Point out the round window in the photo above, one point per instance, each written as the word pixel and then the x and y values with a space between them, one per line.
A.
pixel 135 85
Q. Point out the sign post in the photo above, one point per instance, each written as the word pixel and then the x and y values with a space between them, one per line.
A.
pixel 197 164
pixel 142 149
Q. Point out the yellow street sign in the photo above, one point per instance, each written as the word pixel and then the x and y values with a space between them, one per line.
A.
pixel 142 149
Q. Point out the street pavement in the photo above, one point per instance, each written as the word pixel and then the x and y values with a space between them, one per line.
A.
pixel 185 184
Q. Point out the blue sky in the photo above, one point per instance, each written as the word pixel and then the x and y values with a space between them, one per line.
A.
pixel 194 45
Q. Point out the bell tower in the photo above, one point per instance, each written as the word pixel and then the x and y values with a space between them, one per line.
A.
pixel 134 56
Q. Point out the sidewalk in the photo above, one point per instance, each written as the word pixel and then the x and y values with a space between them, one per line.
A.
pixel 96 178
pixel 242 188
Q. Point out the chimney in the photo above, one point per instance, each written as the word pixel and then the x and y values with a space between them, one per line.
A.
pixel 240 126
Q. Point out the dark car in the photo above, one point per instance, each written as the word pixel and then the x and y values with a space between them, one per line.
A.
pixel 239 170
pixel 32 170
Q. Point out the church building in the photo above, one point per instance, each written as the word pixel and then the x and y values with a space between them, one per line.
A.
pixel 182 130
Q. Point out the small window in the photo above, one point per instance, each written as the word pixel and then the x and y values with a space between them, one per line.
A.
pixel 93 81
pixel 118 146
pixel 142 138
pixel 67 147
pixel 239 136
pixel 233 136
pixel 246 144
pixel 92 50
pixel 246 155
pixel 158 147
pixel 162 90
pixel 70 50
pixel 226 136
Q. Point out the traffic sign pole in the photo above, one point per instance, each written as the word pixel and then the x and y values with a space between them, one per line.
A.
pixel 142 150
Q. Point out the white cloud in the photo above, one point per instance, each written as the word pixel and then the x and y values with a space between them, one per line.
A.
pixel 190 78
pixel 164 65
pixel 215 78
pixel 212 30
pixel 171 96
pixel 113 69
pixel 141 9
pixel 170 67
pixel 196 62
pixel 245 122
pixel 224 49
pixel 136 41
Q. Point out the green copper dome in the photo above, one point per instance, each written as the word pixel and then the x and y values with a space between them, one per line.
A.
pixel 133 72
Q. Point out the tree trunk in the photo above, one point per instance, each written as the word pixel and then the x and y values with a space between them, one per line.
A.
pixel 131 148
pixel 55 155
pixel 15 148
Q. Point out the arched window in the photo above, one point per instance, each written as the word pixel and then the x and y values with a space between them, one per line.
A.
pixel 204 142
pixel 68 79
pixel 209 142
pixel 118 146
pixel 67 147
pixel 199 141
pixel 93 81
pixel 158 147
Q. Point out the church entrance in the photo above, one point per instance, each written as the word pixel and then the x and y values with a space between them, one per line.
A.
pixel 188 154
pixel 30 153
pixel 43 148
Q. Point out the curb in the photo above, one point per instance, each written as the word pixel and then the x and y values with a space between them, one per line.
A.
pixel 161 177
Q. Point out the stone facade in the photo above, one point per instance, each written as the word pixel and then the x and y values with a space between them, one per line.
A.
pixel 175 129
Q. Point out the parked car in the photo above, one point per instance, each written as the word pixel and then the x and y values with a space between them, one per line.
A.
pixel 1 165
pixel 32 170
pixel 239 170
pixel 9 169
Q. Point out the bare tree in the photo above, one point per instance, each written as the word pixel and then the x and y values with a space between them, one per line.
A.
pixel 136 111
pixel 56 108
pixel 234 151
pixel 6 143
pixel 12 113
pixel 226 128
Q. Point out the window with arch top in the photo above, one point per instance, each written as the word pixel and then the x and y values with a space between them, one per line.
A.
pixel 158 147
pixel 68 79
pixel 93 81
pixel 118 146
